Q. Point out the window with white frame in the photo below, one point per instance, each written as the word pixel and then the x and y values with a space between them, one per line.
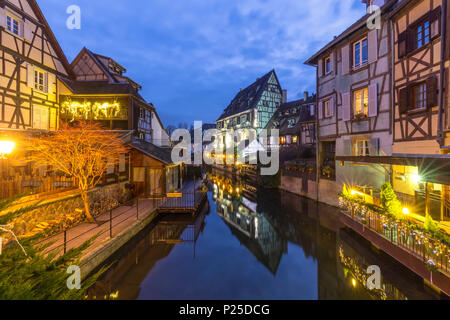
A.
pixel 327 108
pixel 361 148
pixel 311 110
pixel 291 123
pixel 13 24
pixel 40 80
pixel 360 53
pixel 327 65
pixel 422 36
pixel 361 102
pixel 420 96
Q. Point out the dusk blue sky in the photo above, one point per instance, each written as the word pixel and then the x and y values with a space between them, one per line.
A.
pixel 192 56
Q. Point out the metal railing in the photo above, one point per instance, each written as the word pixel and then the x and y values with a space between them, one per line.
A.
pixel 102 226
pixel 416 243
pixel 187 200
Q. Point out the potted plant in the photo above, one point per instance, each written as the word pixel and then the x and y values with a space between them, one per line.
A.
pixel 327 171
pixel 310 168
pixel 360 116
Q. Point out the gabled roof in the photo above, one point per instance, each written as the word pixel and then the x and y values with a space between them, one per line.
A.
pixel 51 36
pixel 249 97
pixel 361 23
pixel 97 58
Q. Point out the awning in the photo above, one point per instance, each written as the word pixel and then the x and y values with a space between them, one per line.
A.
pixel 432 168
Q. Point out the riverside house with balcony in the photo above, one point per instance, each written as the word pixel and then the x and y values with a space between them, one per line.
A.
pixel 354 106
pixel 398 135
pixel 101 92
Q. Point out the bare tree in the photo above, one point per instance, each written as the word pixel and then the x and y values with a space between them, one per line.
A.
pixel 83 151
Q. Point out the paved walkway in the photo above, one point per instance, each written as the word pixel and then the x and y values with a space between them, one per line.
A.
pixel 122 218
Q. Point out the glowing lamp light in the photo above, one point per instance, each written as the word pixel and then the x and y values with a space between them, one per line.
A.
pixel 405 211
pixel 6 147
pixel 354 282
pixel 237 190
pixel 415 178
pixel 353 192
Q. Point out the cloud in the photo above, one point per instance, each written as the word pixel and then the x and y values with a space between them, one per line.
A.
pixel 181 49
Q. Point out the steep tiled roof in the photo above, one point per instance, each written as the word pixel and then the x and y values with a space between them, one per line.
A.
pixel 247 98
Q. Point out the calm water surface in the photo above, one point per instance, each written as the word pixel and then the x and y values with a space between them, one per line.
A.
pixel 255 245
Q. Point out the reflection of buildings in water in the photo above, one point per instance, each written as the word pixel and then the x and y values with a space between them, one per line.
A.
pixel 141 254
pixel 353 258
pixel 251 229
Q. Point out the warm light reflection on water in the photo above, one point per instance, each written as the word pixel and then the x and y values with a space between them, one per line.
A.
pixel 247 245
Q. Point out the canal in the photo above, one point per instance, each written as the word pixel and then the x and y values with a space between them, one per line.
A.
pixel 249 244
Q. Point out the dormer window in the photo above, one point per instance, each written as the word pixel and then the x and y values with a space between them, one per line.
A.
pixel 291 123
pixel 13 24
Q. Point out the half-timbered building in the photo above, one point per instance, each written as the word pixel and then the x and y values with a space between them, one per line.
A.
pixel 420 38
pixel 354 105
pixel 30 62
pixel 296 122
pixel 250 110
pixel 99 91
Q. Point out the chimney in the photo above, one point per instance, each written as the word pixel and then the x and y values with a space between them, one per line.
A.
pixel 378 3
pixel 305 95
pixel 284 99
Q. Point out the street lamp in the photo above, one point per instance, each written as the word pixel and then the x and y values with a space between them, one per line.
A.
pixel 6 147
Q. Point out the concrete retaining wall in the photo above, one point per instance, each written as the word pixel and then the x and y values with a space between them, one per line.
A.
pixel 328 190
pixel 96 258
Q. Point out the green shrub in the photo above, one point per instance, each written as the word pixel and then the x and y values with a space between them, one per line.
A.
pixel 389 200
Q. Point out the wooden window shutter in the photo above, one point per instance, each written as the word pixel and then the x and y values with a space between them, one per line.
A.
pixel 320 107
pixel 346 107
pixel 51 83
pixel 373 100
pixel 332 106
pixel 332 61
pixel 402 44
pixel 374 147
pixel 348 148
pixel 431 92
pixel 411 40
pixel 46 81
pixel 403 97
pixel 373 45
pixel 30 76
pixel 27 30
pixel 346 59
pixel 435 23
pixel 320 67
pixel 3 17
